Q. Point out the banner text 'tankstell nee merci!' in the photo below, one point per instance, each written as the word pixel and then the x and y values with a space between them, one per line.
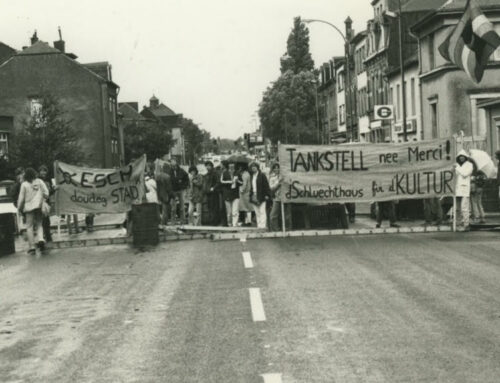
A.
pixel 366 172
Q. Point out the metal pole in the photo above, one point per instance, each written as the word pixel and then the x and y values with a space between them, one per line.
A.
pixel 402 71
pixel 320 139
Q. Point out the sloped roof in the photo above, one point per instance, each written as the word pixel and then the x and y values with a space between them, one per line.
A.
pixel 129 112
pixel 39 48
pixel 162 111
pixel 100 68
pixel 422 5
pixel 457 5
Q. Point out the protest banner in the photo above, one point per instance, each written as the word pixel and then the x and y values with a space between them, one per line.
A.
pixel 86 190
pixel 366 172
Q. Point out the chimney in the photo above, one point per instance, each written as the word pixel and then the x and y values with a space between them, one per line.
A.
pixel 348 28
pixel 60 44
pixel 34 38
pixel 153 102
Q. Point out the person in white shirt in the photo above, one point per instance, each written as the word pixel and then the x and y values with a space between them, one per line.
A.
pixel 463 172
pixel 31 196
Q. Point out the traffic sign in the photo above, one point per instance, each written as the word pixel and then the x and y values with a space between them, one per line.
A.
pixel 384 112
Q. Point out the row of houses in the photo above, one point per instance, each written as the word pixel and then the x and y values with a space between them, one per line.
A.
pixel 441 100
pixel 87 94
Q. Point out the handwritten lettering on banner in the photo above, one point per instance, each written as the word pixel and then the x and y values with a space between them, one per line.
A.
pixel 366 172
pixel 86 190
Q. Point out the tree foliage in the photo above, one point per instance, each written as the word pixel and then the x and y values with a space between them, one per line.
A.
pixel 150 138
pixel 194 138
pixel 47 136
pixel 288 108
pixel 297 57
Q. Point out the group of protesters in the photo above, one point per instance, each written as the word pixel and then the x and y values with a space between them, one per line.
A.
pixel 234 192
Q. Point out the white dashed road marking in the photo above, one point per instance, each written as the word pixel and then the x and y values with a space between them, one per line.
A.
pixel 258 314
pixel 271 378
pixel 247 260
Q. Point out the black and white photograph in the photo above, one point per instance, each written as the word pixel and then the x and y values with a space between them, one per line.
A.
pixel 266 191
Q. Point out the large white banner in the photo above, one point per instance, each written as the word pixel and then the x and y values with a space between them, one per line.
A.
pixel 366 172
pixel 86 190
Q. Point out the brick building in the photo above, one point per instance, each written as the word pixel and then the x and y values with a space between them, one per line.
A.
pixel 87 95
pixel 171 121
pixel 327 102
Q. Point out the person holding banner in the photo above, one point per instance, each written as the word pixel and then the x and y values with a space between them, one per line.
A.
pixel 164 185
pixel 275 186
pixel 31 197
pixel 463 172
pixel 260 193
pixel 211 182
pixel 387 209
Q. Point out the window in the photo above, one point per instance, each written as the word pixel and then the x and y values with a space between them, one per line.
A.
pixel 413 97
pixel 35 106
pixel 342 114
pixel 4 144
pixel 112 110
pixel 434 118
pixel 432 58
pixel 340 81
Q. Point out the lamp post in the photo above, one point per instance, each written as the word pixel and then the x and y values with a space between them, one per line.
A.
pixel 347 56
pixel 402 70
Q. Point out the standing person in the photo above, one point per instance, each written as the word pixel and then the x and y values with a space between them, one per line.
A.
pixel 180 183
pixel 244 205
pixel 230 191
pixel 14 194
pixel 43 173
pixel 151 187
pixel 275 186
pixel 497 155
pixel 388 209
pixel 478 180
pixel 463 172
pixel 210 182
pixel 433 209
pixel 195 196
pixel 351 210
pixel 164 188
pixel 31 196
pixel 259 195
pixel 219 170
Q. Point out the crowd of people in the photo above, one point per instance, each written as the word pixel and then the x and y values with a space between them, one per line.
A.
pixel 233 194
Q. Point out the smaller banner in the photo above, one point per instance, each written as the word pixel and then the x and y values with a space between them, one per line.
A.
pixel 366 172
pixel 86 190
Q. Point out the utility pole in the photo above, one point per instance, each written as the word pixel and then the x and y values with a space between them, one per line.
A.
pixel 402 71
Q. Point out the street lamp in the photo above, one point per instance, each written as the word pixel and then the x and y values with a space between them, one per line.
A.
pixel 399 16
pixel 347 56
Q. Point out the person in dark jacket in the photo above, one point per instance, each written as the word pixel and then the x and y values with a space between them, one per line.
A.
pixel 164 189
pixel 43 174
pixel 180 183
pixel 260 193
pixel 210 186
pixel 195 196
pixel 231 183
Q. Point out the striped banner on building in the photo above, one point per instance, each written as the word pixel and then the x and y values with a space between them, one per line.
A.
pixel 471 43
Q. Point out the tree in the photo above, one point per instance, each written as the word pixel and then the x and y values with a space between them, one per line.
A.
pixel 193 140
pixel 297 57
pixel 287 111
pixel 146 137
pixel 47 136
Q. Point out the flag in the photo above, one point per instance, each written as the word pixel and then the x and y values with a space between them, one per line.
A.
pixel 471 43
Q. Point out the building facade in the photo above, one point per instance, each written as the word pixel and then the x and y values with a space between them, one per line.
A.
pixel 87 98
pixel 171 121
pixel 451 102
pixel 327 102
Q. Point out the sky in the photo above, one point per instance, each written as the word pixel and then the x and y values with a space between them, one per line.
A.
pixel 210 60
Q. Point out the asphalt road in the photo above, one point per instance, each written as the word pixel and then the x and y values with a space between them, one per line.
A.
pixel 421 308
